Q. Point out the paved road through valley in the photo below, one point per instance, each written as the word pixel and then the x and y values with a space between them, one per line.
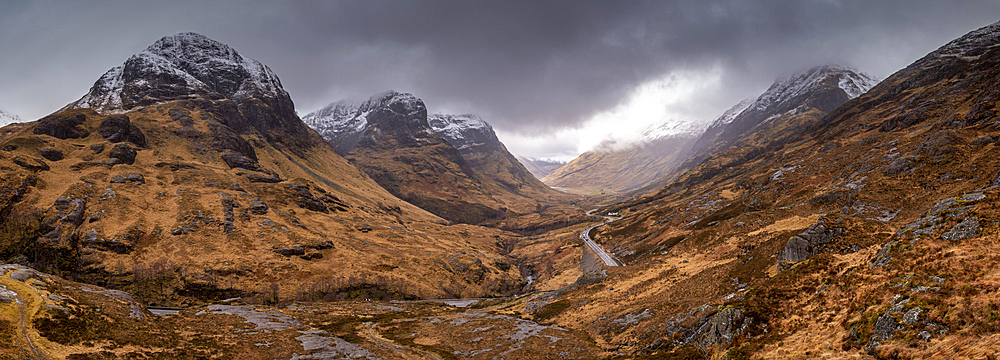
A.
pixel 585 235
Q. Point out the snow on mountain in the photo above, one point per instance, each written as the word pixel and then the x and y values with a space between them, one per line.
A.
pixel 972 44
pixel 345 118
pixel 464 132
pixel 729 115
pixel 8 118
pixel 851 81
pixel 177 67
pixel 337 118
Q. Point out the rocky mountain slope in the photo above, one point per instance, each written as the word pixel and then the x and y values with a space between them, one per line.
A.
pixel 185 176
pixel 539 167
pixel 611 171
pixel 822 88
pixel 865 234
pixel 451 165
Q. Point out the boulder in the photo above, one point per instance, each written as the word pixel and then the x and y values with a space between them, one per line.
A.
pixel 31 163
pixel 236 159
pixel 62 127
pixel 810 242
pixel 119 128
pixel 97 148
pixel 966 229
pixel 133 178
pixel 122 154
pixel 294 250
pixel 721 328
pixel 51 154
pixel 258 207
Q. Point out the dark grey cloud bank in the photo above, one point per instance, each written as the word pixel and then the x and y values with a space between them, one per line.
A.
pixel 527 66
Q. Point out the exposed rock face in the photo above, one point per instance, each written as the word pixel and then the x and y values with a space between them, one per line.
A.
pixel 810 242
pixel 721 328
pixel 122 154
pixel 967 229
pixel 133 178
pixel 51 154
pixel 823 87
pixel 118 128
pixel 190 66
pixel 62 127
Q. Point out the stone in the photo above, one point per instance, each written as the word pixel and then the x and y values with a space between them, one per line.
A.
pixel 258 207
pixel 967 229
pixel 809 242
pixel 97 148
pixel 25 275
pixel 885 327
pixel 722 328
pixel 900 165
pixel 73 208
pixel 294 250
pixel 31 164
pixel 236 159
pixel 912 316
pixel 62 127
pixel 122 154
pixel 119 128
pixel 10 147
pixel 133 178
pixel 51 154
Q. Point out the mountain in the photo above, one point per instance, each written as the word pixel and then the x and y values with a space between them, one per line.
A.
pixel 620 170
pixel 487 156
pixel 451 165
pixel 8 118
pixel 185 176
pixel 822 88
pixel 854 231
pixel 539 167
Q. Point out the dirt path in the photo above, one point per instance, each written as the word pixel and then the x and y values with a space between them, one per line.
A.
pixel 405 351
pixel 34 353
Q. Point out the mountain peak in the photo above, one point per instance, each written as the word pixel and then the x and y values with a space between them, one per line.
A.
pixel 801 85
pixel 466 132
pixel 181 66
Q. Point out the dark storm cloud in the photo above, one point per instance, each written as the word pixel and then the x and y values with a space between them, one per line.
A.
pixel 527 66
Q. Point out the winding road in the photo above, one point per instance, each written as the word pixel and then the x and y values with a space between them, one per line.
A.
pixel 604 255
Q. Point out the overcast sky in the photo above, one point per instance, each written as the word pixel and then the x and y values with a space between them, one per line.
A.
pixel 554 78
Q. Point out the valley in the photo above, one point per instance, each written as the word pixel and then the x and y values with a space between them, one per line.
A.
pixel 182 209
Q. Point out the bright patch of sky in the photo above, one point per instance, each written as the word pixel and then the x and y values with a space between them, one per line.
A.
pixel 664 106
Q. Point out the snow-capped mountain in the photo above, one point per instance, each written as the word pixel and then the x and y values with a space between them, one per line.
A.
pixel 729 115
pixel 336 119
pixel 8 118
pixel 466 132
pixel 181 66
pixel 823 88
pixel 343 124
pixel 801 89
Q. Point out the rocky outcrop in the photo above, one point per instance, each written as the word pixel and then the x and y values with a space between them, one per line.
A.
pixel 810 242
pixel 51 154
pixel 130 178
pixel 720 329
pixel 119 128
pixel 62 127
pixel 122 154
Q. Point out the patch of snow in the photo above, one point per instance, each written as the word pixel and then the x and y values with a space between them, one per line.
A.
pixel 194 61
pixel 8 118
